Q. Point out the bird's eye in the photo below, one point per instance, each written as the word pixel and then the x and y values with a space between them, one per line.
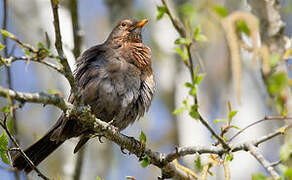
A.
pixel 124 24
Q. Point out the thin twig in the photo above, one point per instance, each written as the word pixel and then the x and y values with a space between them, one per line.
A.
pixel 75 26
pixel 58 44
pixel 253 151
pixel 9 77
pixel 4 126
pixel 266 118
pixel 181 30
pixel 11 59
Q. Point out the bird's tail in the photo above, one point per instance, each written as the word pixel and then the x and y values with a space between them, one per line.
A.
pixel 37 152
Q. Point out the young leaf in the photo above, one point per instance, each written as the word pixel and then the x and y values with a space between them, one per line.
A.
pixel 220 10
pixel 199 78
pixel 7 34
pixel 201 38
pixel 231 115
pixel 183 53
pixel 235 127
pixel 98 178
pixel 130 177
pixel 285 151
pixel 185 41
pixel 259 176
pixel 286 171
pixel 194 114
pixel 145 161
pixel 229 106
pixel 199 165
pixel 179 110
pixel 229 157
pixel 197 31
pixel 1 47
pixel 3 142
pixel 277 82
pixel 161 11
pixel 5 109
pixel 219 120
pixel 142 138
pixel 4 157
pixel 10 125
pixel 242 27
pixel 40 45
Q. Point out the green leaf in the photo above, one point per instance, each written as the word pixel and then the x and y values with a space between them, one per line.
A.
pixel 179 110
pixel 188 84
pixel 274 59
pixel 1 46
pixel 4 157
pixel 197 31
pixel 277 82
pixel 7 34
pixel 194 114
pixel 145 161
pixel 285 151
pixel 198 163
pixel 286 171
pixel 187 9
pixel 181 41
pixel 142 138
pixel 40 45
pixel 199 78
pixel 98 178
pixel 201 38
pixel 161 11
pixel 183 53
pixel 5 109
pixel 242 27
pixel 229 157
pixel 259 176
pixel 219 120
pixel 220 10
pixel 235 127
pixel 3 142
pixel 231 115
pixel 10 125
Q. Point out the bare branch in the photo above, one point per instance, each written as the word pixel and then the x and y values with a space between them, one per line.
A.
pixel 253 151
pixel 266 118
pixel 12 59
pixel 58 44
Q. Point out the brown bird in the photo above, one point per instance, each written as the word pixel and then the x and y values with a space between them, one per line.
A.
pixel 114 78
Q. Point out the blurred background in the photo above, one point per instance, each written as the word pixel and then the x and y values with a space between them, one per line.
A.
pixel 31 19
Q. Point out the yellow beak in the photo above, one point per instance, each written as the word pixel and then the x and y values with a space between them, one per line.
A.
pixel 142 23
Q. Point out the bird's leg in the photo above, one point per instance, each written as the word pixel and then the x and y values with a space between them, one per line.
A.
pixel 123 150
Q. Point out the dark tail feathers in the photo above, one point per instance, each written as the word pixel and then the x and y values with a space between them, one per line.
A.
pixel 37 152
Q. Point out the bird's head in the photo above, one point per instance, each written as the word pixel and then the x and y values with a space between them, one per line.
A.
pixel 128 31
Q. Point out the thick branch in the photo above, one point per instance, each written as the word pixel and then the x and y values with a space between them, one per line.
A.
pixel 41 98
pixel 161 160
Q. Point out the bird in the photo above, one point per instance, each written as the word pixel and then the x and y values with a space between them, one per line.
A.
pixel 114 78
